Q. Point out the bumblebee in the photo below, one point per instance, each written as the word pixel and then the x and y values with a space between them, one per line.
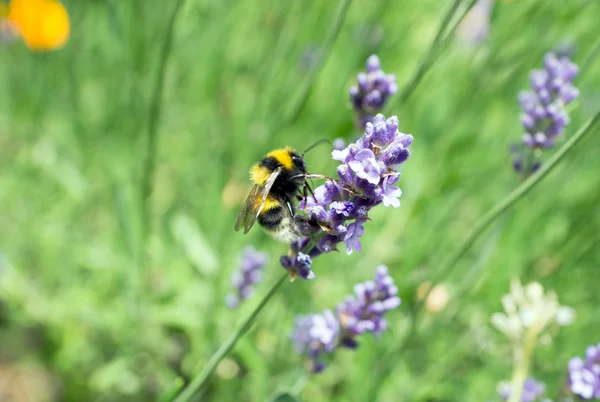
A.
pixel 277 179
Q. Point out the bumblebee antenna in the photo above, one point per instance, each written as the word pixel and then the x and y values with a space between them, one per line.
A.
pixel 321 141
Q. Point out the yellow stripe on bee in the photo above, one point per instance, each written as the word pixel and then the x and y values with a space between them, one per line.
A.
pixel 259 174
pixel 283 156
pixel 270 203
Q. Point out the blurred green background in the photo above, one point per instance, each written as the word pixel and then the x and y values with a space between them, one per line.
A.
pixel 105 297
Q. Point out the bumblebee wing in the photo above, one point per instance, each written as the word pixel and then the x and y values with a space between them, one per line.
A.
pixel 249 212
pixel 246 216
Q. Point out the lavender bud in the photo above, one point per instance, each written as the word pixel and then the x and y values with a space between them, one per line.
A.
pixel 298 266
pixel 372 92
pixel 339 144
pixel 373 64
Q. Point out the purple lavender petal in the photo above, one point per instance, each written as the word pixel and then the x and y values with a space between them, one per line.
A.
pixel 584 375
pixel 315 335
pixel 532 390
pixel 352 238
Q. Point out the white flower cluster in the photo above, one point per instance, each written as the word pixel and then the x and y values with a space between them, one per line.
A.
pixel 530 309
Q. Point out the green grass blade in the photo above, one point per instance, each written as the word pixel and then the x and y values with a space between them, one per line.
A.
pixel 203 376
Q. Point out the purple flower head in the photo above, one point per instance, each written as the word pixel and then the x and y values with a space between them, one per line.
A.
pixel 339 209
pixel 584 375
pixel 543 106
pixel 532 390
pixel 544 116
pixel 315 335
pixel 364 311
pixel 318 334
pixel 375 156
pixel 372 91
pixel 247 276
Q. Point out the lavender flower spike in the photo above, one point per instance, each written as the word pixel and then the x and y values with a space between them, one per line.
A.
pixel 338 210
pixel 364 312
pixel 314 335
pixel 319 334
pixel 544 115
pixel 584 375
pixel 532 390
pixel 372 91
pixel 247 276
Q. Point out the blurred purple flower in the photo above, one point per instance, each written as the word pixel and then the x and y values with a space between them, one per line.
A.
pixel 318 334
pixel 584 375
pixel 373 89
pixel 364 311
pixel 314 335
pixel 247 276
pixel 532 390
pixel 544 115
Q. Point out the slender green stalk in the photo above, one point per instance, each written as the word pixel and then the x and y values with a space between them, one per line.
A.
pixel 299 384
pixel 450 34
pixel 304 92
pixel 587 61
pixel 522 360
pixel 151 140
pixel 489 217
pixel 517 194
pixel 203 376
pixel 430 55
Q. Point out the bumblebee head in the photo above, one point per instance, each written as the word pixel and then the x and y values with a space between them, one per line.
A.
pixel 287 158
pixel 297 162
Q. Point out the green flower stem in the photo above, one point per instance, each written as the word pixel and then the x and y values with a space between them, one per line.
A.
pixel 522 360
pixel 512 198
pixel 154 113
pixel 450 34
pixel 497 210
pixel 304 92
pixel 299 384
pixel 432 52
pixel 203 376
pixel 587 61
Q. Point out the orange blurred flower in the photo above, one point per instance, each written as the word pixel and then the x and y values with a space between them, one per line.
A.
pixel 43 24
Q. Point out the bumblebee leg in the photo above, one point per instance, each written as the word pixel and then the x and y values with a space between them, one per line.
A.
pixel 289 206
pixel 312 176
pixel 304 195
pixel 307 188
pixel 317 176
